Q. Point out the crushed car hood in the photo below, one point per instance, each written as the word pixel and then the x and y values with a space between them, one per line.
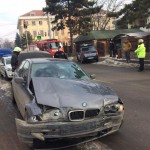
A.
pixel 71 93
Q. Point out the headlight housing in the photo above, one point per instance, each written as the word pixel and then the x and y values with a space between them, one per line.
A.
pixel 113 108
pixel 54 115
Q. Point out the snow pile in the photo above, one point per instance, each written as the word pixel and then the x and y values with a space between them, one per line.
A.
pixel 117 63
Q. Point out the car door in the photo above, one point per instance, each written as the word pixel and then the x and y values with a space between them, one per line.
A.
pixel 22 94
pixel 2 70
pixel 1 64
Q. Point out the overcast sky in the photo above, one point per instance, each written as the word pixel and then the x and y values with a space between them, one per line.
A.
pixel 10 10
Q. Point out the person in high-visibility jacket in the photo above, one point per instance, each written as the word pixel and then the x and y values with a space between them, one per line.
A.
pixel 141 53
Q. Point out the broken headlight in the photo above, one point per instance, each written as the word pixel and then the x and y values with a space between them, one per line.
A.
pixel 113 108
pixel 54 114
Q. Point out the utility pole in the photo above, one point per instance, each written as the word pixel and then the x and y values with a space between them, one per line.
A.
pixel 49 28
pixel 48 20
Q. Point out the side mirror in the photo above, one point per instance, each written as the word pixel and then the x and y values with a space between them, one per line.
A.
pixel 19 80
pixel 92 76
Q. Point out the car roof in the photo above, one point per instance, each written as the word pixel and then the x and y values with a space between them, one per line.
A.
pixel 33 54
pixel 46 60
pixel 5 57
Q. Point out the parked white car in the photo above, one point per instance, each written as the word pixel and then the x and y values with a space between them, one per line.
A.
pixel 5 67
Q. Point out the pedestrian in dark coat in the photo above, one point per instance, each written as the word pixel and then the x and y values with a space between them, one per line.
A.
pixel 111 49
pixel 14 58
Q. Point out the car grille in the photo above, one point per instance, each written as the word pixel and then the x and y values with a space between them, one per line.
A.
pixel 91 113
pixel 78 115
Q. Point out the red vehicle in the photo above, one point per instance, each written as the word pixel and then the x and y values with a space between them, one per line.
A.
pixel 50 45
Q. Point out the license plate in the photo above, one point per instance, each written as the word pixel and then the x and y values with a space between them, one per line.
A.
pixel 70 129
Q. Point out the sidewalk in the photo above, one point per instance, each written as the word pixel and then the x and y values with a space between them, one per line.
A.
pixel 121 62
pixel 116 62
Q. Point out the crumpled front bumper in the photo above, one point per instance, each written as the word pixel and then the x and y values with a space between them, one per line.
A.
pixel 27 132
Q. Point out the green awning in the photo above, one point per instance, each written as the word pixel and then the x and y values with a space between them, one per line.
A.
pixel 104 34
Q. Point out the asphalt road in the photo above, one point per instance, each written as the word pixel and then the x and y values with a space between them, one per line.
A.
pixel 132 86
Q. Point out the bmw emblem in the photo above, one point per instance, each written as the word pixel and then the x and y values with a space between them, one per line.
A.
pixel 84 104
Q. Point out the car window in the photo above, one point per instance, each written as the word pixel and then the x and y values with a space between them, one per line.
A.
pixel 90 48
pixel 24 69
pixel 84 49
pixel 3 61
pixel 63 70
pixel 54 45
pixel 8 61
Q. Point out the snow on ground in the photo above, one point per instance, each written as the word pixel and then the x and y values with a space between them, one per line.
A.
pixel 119 63
pixel 5 86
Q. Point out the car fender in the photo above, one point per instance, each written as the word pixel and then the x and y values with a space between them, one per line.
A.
pixel 33 109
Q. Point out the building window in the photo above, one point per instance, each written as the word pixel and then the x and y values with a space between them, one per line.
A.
pixel 34 33
pixel 41 32
pixel 32 14
pixel 25 22
pixel 33 23
pixel 45 34
pixel 40 22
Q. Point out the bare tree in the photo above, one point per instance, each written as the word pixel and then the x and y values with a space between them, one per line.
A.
pixel 7 44
pixel 101 19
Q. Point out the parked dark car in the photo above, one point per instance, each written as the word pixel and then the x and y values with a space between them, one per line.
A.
pixel 87 52
pixel 58 100
pixel 33 54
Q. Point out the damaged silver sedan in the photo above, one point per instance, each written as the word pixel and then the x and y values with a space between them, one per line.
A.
pixel 58 100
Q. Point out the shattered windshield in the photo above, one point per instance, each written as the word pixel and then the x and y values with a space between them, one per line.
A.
pixel 63 70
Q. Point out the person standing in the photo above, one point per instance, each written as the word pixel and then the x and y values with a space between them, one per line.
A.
pixel 127 48
pixel 111 48
pixel 141 53
pixel 14 58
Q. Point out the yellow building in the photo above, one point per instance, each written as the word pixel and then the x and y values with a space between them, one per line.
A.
pixel 37 24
